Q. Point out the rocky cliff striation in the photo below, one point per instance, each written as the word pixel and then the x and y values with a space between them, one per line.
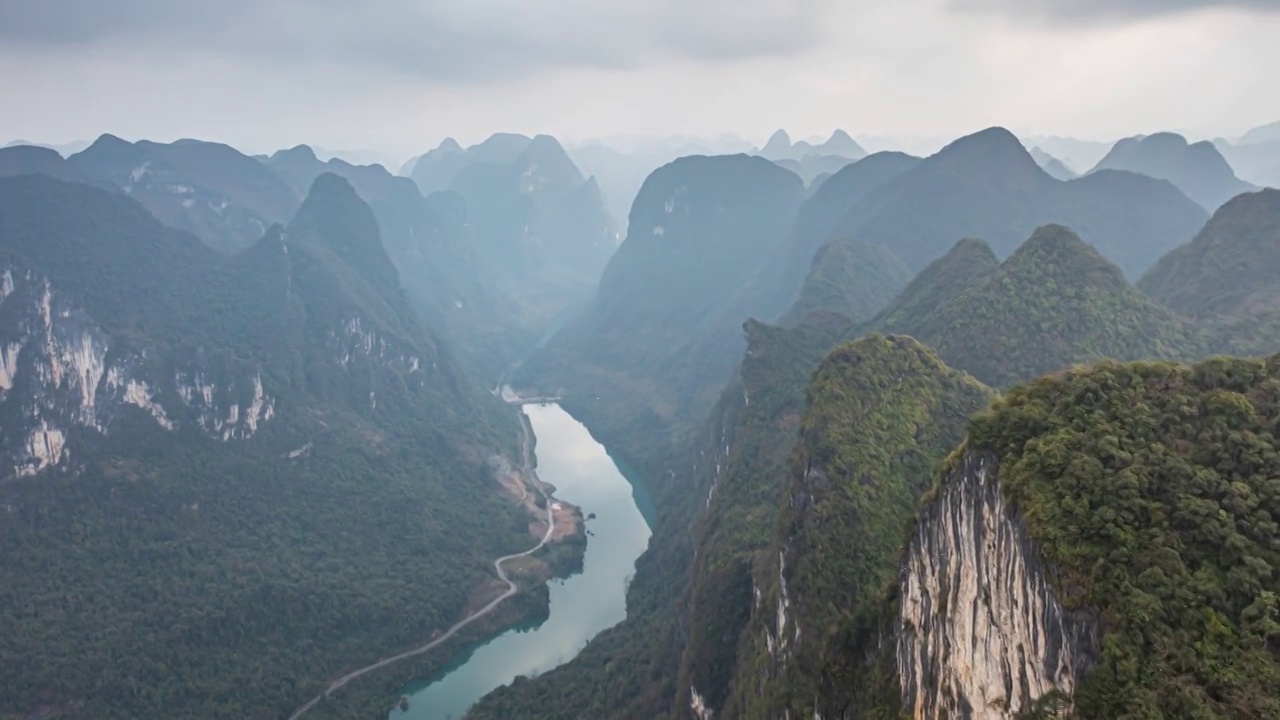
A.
pixel 981 633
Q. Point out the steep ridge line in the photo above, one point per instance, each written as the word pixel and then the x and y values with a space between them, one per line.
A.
pixel 528 471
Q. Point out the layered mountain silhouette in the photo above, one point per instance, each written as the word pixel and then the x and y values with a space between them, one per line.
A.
pixel 987 185
pixel 29 159
pixel 1258 162
pixel 780 147
pixel 177 416
pixel 210 190
pixel 438 168
pixel 1198 169
pixel 432 243
pixel 536 218
pixel 1052 165
pixel 664 328
pixel 1262 134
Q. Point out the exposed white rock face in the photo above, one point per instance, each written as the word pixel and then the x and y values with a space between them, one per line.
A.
pixel 352 341
pixel 228 411
pixel 59 373
pixel 699 706
pixel 981 634
pixel 44 447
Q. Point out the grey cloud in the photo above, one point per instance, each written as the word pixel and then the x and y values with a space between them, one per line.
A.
pixel 460 40
pixel 1099 12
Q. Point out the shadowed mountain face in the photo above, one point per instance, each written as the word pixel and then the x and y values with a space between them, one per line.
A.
pixel 987 185
pixel 186 432
pixel 1198 169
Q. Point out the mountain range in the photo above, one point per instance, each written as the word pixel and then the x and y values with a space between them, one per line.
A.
pixel 1198 169
pixel 900 457
pixel 227 453
pixel 778 610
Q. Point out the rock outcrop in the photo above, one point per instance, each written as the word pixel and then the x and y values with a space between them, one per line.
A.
pixel 981 632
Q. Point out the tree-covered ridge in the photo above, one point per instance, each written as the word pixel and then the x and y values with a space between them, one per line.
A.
pixel 851 279
pixel 164 572
pixel 1055 302
pixel 1152 487
pixel 735 525
pixel 940 283
pixel 1231 266
pixel 882 412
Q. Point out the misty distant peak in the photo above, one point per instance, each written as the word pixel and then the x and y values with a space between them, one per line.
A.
pixel 840 143
pixel 994 150
pixel 297 153
pixel 449 145
pixel 1198 169
pixel 107 140
pixel 779 144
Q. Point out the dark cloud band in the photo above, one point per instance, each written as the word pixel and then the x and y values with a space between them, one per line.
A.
pixel 447 41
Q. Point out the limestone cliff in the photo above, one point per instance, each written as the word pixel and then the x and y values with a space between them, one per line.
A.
pixel 981 634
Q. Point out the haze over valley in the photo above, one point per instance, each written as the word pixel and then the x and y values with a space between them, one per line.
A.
pixel 640 361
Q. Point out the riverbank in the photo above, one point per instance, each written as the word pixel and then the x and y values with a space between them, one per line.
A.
pixel 521 576
pixel 581 606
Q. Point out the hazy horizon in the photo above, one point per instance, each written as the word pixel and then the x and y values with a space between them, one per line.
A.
pixel 402 76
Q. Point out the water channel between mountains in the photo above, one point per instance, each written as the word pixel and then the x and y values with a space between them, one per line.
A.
pixel 581 606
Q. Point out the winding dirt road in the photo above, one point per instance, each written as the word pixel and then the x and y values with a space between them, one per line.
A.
pixel 526 449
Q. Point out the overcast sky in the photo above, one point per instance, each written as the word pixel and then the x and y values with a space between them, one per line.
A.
pixel 399 75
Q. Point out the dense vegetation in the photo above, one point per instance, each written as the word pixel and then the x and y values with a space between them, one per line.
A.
pixel 938 285
pixel 1152 486
pixel 169 574
pixel 881 413
pixel 1053 303
pixel 735 528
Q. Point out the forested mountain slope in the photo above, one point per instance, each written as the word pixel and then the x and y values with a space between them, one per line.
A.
pixel 227 478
